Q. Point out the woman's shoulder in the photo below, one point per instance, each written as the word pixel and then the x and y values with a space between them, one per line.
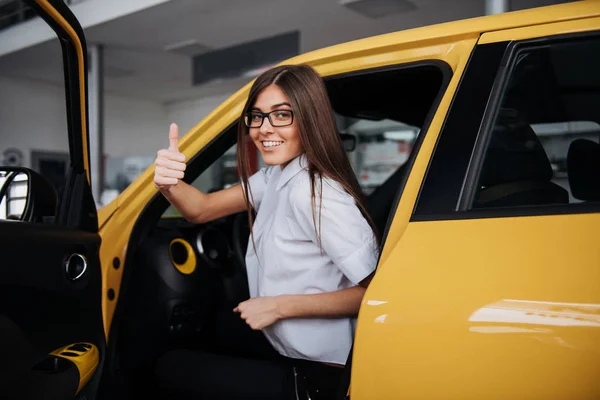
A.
pixel 325 187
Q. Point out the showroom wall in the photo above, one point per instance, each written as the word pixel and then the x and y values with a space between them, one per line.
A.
pixel 133 127
pixel 34 111
pixel 188 113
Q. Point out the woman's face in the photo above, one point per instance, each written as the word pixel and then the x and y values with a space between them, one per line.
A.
pixel 278 145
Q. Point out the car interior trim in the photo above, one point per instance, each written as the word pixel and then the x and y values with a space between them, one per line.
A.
pixel 182 256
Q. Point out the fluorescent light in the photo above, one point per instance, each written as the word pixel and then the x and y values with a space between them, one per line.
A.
pixel 378 8
pixel 189 47
pixel 565 128
pixel 400 135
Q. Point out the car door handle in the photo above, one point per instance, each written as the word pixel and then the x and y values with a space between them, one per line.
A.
pixel 85 356
pixel 76 266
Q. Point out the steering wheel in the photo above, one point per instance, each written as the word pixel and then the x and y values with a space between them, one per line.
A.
pixel 240 233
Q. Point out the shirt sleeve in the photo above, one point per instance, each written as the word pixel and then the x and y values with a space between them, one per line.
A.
pixel 258 184
pixel 346 236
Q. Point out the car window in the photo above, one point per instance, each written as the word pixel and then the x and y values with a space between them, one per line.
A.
pixel 544 145
pixel 384 124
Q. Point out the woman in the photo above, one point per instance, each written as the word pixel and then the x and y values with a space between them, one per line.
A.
pixel 312 247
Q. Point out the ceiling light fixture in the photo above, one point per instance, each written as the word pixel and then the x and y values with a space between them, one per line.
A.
pixel 189 47
pixel 378 8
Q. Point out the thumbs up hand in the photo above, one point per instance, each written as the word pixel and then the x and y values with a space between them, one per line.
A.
pixel 169 165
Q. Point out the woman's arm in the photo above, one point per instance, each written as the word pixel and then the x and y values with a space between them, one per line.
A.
pixel 261 312
pixel 341 303
pixel 199 207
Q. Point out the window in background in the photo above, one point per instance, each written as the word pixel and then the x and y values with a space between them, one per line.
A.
pixel 34 124
pixel 383 147
pixel 119 173
pixel 14 196
pixel 53 166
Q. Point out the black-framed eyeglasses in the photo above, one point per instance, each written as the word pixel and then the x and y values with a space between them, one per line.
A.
pixel 277 118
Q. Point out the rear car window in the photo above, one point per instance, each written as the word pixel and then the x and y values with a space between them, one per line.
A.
pixel 544 147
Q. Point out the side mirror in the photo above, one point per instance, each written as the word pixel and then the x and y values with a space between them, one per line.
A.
pixel 25 195
pixel 349 141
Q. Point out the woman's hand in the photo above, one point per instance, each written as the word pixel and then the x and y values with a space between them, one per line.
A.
pixel 169 165
pixel 260 312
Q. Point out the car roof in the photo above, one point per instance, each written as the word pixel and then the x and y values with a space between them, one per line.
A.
pixel 472 27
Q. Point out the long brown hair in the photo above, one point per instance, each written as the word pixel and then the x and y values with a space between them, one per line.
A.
pixel 319 136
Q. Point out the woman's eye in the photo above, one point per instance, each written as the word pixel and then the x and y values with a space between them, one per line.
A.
pixel 283 115
pixel 256 117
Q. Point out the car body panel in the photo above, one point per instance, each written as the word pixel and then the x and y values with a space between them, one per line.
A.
pixel 560 28
pixel 484 306
pixel 452 302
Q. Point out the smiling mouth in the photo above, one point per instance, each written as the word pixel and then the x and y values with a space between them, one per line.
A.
pixel 271 143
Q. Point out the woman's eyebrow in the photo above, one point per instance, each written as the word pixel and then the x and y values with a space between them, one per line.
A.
pixel 274 106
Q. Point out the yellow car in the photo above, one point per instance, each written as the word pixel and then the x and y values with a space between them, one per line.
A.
pixel 488 285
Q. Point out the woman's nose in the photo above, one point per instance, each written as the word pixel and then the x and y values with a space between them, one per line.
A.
pixel 266 127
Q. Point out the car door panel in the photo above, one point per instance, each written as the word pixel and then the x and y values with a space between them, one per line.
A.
pixel 52 339
pixel 46 309
pixel 476 308
pixel 481 303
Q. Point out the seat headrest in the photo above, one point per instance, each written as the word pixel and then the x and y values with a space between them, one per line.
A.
pixel 515 153
pixel 583 166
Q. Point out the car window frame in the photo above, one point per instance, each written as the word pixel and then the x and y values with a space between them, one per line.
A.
pixel 470 189
pixel 227 137
pixel 443 181
pixel 447 74
pixel 470 180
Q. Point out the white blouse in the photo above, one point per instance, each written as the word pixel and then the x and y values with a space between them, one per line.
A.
pixel 288 259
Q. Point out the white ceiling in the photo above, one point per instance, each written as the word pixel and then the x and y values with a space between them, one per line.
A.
pixel 136 64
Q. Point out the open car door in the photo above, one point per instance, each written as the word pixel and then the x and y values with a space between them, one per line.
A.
pixel 52 340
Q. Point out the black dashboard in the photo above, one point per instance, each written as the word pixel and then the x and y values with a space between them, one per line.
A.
pixel 187 279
